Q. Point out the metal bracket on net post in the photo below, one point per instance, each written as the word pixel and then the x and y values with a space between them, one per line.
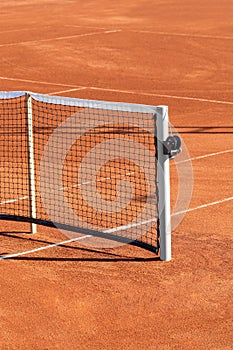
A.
pixel 31 161
pixel 164 183
pixel 172 146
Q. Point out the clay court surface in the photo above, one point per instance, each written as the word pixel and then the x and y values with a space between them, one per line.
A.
pixel 175 53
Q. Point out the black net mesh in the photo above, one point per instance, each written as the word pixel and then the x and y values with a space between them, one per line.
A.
pixel 95 166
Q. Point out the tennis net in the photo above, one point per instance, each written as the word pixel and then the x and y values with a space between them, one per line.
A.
pixel 86 167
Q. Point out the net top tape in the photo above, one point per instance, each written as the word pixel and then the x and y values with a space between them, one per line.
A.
pixel 84 103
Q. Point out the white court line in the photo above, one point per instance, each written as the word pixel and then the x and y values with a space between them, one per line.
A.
pixel 204 36
pixel 59 38
pixel 93 181
pixel 129 173
pixel 162 95
pixel 120 91
pixel 204 156
pixel 203 206
pixel 43 248
pixel 14 200
pixel 125 227
pixel 113 230
pixel 65 91
pixel 65 188
pixel 84 26
pixel 39 82
pixel 157 95
pixel 15 30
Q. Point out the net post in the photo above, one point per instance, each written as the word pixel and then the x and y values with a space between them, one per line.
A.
pixel 164 184
pixel 31 162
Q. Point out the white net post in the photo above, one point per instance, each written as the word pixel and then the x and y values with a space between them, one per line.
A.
pixel 164 184
pixel 31 163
